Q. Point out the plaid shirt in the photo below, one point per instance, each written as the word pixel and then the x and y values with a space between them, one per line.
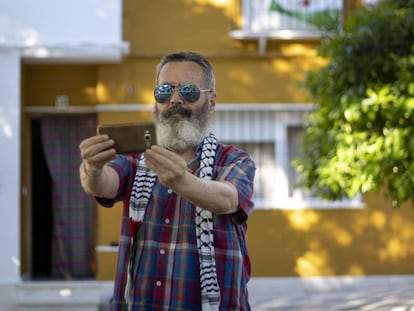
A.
pixel 167 276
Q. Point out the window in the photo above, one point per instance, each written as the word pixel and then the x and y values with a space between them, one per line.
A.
pixel 286 19
pixel 300 16
pixel 272 134
pixel 264 155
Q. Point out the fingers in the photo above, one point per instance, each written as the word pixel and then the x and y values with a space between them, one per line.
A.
pixel 96 151
pixel 156 161
pixel 161 153
pixel 169 166
pixel 163 158
pixel 95 144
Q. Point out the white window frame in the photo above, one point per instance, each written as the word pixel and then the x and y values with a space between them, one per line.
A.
pixel 269 123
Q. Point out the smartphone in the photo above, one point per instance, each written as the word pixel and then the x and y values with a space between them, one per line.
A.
pixel 130 137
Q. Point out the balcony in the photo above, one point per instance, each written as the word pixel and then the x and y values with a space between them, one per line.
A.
pixel 286 20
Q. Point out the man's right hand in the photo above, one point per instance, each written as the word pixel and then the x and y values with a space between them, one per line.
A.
pixel 95 152
pixel 97 178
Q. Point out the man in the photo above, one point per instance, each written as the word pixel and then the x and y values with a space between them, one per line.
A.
pixel 186 201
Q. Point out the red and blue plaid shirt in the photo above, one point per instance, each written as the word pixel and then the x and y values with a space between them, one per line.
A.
pixel 167 274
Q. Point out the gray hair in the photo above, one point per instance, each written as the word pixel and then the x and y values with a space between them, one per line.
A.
pixel 189 57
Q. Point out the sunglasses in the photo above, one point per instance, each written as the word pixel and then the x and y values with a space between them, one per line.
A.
pixel 189 92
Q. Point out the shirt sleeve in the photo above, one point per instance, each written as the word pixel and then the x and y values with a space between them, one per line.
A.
pixel 125 166
pixel 237 167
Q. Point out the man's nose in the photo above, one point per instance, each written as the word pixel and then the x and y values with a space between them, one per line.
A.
pixel 175 96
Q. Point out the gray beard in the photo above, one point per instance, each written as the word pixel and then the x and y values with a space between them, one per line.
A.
pixel 182 133
pixel 179 135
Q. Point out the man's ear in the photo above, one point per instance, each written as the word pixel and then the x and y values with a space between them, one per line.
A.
pixel 212 103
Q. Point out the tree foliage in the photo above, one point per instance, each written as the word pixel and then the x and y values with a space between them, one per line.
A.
pixel 361 136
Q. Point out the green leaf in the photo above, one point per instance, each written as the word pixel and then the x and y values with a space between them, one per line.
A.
pixel 360 138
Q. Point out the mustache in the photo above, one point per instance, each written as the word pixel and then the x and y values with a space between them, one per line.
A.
pixel 177 109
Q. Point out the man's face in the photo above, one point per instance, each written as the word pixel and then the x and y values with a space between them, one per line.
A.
pixel 182 124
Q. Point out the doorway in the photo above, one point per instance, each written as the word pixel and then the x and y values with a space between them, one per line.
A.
pixel 41 207
pixel 63 216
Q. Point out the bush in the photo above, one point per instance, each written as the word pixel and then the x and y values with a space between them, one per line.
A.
pixel 361 136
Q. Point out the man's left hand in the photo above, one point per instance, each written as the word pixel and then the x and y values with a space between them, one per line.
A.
pixel 169 166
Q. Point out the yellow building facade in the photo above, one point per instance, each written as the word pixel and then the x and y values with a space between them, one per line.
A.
pixel 372 239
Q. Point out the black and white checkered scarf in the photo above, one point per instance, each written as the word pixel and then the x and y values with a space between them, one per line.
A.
pixel 141 192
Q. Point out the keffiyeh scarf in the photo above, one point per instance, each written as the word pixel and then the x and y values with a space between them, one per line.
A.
pixel 141 192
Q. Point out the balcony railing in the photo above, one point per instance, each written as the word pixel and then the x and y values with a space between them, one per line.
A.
pixel 288 19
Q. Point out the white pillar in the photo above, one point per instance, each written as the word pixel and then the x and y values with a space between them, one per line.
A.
pixel 9 166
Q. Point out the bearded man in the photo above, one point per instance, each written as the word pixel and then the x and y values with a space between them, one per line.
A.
pixel 186 201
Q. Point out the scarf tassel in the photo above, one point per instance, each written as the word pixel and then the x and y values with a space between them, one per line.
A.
pixel 133 231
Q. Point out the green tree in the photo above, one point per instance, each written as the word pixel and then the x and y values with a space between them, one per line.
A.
pixel 360 138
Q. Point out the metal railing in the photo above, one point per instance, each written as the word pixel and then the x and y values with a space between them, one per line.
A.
pixel 303 17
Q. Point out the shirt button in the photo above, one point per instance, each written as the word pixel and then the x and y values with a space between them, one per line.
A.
pixel 169 191
pixel 167 221
pixel 162 251
pixel 158 283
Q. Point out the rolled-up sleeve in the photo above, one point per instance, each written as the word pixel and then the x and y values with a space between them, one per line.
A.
pixel 238 168
pixel 125 167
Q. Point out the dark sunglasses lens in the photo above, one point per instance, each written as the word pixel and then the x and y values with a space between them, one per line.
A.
pixel 190 92
pixel 162 93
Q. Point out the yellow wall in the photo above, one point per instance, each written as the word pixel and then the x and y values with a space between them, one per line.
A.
pixel 160 26
pixel 41 83
pixel 370 241
pixel 240 78
pixel 374 240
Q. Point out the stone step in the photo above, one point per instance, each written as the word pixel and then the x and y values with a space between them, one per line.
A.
pixel 63 295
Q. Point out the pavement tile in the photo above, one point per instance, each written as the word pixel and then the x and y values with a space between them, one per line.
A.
pixel 382 293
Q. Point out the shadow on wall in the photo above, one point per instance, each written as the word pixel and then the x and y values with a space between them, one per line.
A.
pixel 376 240
pixel 243 76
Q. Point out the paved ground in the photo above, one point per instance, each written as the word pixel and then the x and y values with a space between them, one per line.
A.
pixel 378 293
pixel 367 293
pixel 373 293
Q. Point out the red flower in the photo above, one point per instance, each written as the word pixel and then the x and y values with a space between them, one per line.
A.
pixel 305 2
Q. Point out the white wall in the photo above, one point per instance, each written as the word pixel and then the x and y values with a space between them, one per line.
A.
pixel 51 22
pixel 45 31
pixel 63 31
pixel 9 166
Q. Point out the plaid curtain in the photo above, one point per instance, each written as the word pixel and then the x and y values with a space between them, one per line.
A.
pixel 73 211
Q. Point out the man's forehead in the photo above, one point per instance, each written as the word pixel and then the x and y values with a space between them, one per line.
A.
pixel 181 72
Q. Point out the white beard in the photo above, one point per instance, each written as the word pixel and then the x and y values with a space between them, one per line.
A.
pixel 181 134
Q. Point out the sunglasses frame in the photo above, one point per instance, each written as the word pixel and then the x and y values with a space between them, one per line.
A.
pixel 188 96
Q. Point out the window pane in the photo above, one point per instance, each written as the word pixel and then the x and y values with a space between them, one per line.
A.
pixel 269 15
pixel 295 138
pixel 263 153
